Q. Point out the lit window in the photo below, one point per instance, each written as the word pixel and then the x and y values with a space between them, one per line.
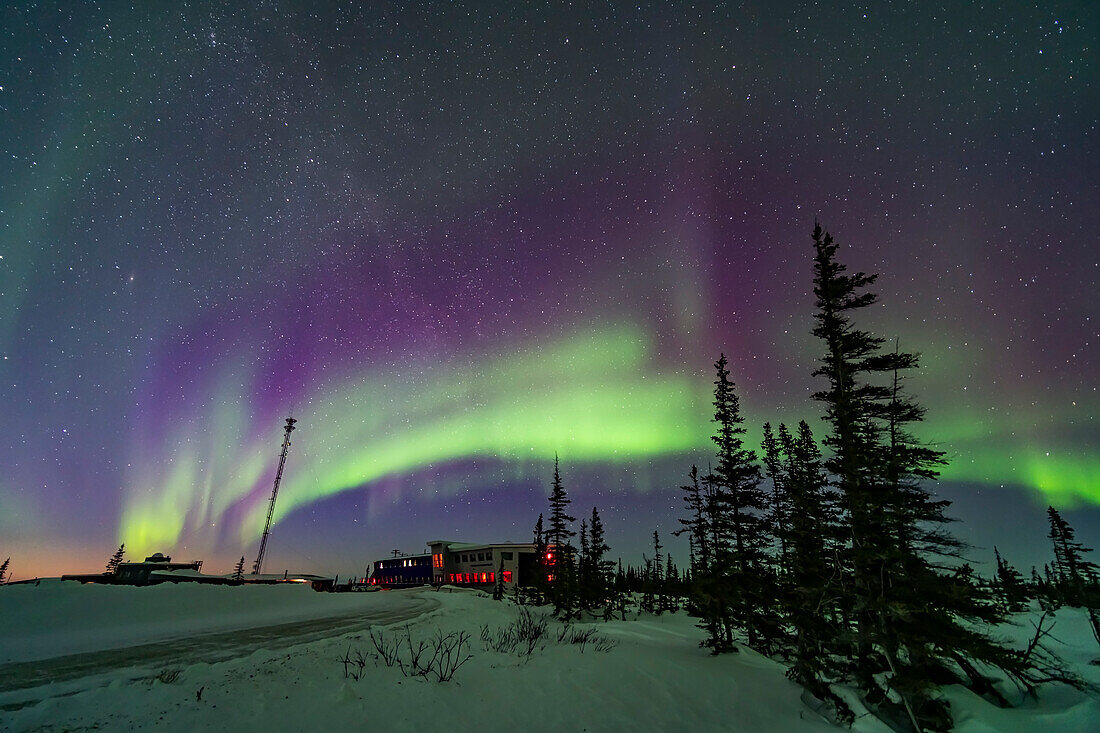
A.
pixel 492 577
pixel 506 576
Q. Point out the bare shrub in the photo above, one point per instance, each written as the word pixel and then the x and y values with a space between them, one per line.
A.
pixel 530 632
pixel 354 666
pixel 585 637
pixel 387 651
pixel 437 657
pixel 501 640
pixel 451 651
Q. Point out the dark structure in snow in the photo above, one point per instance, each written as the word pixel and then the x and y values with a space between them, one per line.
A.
pixel 158 568
pixel 155 569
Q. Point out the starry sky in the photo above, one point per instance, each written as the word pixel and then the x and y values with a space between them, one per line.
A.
pixel 454 240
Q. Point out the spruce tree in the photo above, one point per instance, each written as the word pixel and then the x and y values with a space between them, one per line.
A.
pixel 539 539
pixel 115 560
pixel 1073 573
pixel 238 570
pixel 559 533
pixel 600 568
pixel 584 579
pixel 811 578
pixel 4 569
pixel 779 508
pixel 541 580
pixel 739 527
pixel 1078 582
pixel 915 619
pixel 696 524
pixel 657 575
pixel 672 586
pixel 562 589
pixel 1010 584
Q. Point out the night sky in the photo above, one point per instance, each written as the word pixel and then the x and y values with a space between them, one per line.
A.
pixel 456 240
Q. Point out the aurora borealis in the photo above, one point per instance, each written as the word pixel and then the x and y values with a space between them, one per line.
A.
pixel 455 240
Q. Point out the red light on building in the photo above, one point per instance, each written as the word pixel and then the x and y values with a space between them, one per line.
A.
pixel 437 560
pixel 507 576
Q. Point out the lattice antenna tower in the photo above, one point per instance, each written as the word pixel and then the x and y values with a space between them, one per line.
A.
pixel 274 493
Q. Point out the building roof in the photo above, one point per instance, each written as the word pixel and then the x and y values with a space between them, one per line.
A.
pixel 466 546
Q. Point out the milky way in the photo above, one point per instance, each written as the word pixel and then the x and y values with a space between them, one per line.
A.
pixel 456 240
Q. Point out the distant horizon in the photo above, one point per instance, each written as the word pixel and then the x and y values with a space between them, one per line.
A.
pixel 1033 528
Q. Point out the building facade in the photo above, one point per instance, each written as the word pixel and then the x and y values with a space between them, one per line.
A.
pixel 458 563
pixel 404 571
pixel 462 563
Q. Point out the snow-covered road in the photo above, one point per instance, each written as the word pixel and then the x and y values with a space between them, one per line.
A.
pixel 26 682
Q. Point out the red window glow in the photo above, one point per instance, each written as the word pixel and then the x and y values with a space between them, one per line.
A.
pixel 492 577
pixel 437 560
pixel 506 576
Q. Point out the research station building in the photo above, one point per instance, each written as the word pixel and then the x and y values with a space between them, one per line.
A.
pixel 459 563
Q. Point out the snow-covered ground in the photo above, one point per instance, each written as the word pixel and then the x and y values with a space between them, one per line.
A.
pixel 56 618
pixel 649 674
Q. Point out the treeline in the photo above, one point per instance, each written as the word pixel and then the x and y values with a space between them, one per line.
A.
pixel 574 579
pixel 830 552
pixel 1071 579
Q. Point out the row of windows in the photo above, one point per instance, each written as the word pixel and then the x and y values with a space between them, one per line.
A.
pixel 506 576
pixel 396 579
pixel 411 562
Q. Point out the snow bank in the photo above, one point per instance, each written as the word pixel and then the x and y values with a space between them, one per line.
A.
pixel 58 618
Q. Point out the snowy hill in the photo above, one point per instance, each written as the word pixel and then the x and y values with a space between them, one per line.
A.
pixel 646 674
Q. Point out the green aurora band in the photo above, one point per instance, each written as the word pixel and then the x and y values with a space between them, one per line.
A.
pixel 590 398
pixel 597 398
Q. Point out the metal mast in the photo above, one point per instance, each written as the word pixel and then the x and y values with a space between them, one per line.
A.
pixel 274 492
